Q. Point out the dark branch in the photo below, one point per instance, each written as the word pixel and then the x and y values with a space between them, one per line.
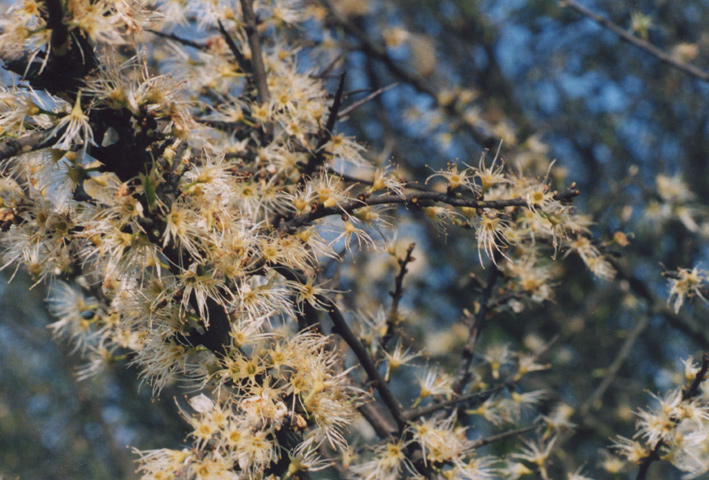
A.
pixel 55 22
pixel 243 64
pixel 317 158
pixel 393 317
pixel 180 40
pixel 377 419
pixel 410 199
pixel 341 327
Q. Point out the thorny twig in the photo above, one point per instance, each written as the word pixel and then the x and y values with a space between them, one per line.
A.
pixel 476 326
pixel 393 316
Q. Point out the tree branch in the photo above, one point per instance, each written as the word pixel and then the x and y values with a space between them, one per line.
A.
pixel 410 199
pixel 317 158
pixel 9 147
pixel 366 99
pixel 55 22
pixel 377 419
pixel 638 42
pixel 240 60
pixel 259 69
pixel 341 327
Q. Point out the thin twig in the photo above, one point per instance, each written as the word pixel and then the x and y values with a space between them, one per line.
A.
pixel 501 436
pixel 377 419
pixel 326 71
pixel 346 177
pixel 393 316
pixel 180 40
pixel 612 370
pixel 476 327
pixel 366 99
pixel 693 389
pixel 399 282
pixel 317 158
pixel 415 413
pixel 638 42
pixel 352 179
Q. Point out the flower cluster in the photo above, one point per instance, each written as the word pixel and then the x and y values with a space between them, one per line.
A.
pixel 676 429
pixel 272 389
pixel 686 283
